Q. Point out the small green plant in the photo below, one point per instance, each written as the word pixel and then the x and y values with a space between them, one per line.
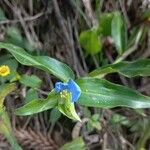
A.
pixel 91 90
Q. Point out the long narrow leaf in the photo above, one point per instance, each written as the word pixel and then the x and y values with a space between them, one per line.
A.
pixel 118 32
pixel 128 69
pixel 102 93
pixel 4 91
pixel 5 128
pixel 5 125
pixel 50 65
pixel 38 105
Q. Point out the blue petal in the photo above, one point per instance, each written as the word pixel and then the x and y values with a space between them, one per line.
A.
pixel 59 86
pixel 71 86
pixel 74 89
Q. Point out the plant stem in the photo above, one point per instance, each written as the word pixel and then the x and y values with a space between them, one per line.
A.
pixel 133 48
pixel 142 141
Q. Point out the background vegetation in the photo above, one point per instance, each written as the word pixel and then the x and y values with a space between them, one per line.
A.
pixel 84 35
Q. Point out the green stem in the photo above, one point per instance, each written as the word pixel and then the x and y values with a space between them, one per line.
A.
pixel 142 141
pixel 133 48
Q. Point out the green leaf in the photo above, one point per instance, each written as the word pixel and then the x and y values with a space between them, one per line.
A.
pixel 118 32
pixel 76 144
pixel 139 67
pixel 38 105
pixel 31 81
pixel 5 125
pixel 105 23
pixel 91 125
pixel 5 128
pixel 94 123
pixel 50 65
pixel 134 35
pixel 66 107
pixel 95 117
pixel 90 41
pixel 5 89
pixel 141 144
pixel 31 95
pixel 104 94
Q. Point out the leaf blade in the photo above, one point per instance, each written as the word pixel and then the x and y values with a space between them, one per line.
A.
pixel 90 41
pixel 118 32
pixel 77 143
pixel 31 81
pixel 50 65
pixel 139 67
pixel 102 93
pixel 5 90
pixel 38 105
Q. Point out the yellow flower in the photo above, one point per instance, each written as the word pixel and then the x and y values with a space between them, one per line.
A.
pixel 4 70
pixel 148 19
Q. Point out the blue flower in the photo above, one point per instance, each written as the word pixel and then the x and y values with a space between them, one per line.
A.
pixel 71 86
pixel 60 86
